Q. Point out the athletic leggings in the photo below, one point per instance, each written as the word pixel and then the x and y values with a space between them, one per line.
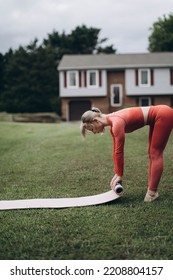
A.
pixel 160 120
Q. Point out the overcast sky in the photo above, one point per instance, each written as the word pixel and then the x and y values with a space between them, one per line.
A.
pixel 125 23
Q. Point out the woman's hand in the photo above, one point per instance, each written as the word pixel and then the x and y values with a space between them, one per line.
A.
pixel 115 180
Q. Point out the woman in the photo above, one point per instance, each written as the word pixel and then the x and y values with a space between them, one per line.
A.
pixel 160 120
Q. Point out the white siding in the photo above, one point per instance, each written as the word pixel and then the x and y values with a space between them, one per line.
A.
pixel 83 91
pixel 161 83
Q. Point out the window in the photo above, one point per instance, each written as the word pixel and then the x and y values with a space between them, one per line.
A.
pixel 144 77
pixel 92 78
pixel 144 101
pixel 73 79
pixel 116 95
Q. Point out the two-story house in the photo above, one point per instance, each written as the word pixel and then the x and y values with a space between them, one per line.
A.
pixel 114 81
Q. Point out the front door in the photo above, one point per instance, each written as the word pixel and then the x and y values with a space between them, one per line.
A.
pixel 116 95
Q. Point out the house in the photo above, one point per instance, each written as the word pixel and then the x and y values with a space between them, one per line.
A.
pixel 114 81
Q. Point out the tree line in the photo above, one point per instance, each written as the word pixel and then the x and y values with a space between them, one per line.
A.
pixel 29 78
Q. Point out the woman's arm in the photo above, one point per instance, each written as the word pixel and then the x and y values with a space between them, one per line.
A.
pixel 118 135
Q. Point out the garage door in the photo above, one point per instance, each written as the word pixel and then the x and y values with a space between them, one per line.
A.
pixel 77 108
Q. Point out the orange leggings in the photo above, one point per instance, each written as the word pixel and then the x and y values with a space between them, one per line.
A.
pixel 160 120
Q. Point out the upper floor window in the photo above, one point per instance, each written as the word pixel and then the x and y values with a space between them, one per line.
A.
pixel 82 79
pixel 92 78
pixel 144 77
pixel 73 79
pixel 116 95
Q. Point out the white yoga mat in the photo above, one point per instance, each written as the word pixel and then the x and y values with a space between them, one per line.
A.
pixel 59 202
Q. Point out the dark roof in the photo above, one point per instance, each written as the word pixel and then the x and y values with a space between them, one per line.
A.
pixel 109 61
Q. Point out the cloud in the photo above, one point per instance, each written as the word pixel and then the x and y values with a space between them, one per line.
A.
pixel 126 23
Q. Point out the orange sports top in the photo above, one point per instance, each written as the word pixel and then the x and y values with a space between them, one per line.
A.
pixel 121 122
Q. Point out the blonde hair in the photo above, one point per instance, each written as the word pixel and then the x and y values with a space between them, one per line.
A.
pixel 87 118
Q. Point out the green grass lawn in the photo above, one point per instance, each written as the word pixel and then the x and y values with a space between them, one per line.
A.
pixel 52 161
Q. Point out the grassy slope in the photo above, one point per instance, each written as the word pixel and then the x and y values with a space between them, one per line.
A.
pixel 51 160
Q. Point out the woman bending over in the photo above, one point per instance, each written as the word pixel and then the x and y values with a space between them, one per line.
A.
pixel 160 121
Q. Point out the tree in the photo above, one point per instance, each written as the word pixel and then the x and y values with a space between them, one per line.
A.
pixel 85 40
pixel 161 38
pixel 81 40
pixel 30 80
pixel 107 50
pixel 1 73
